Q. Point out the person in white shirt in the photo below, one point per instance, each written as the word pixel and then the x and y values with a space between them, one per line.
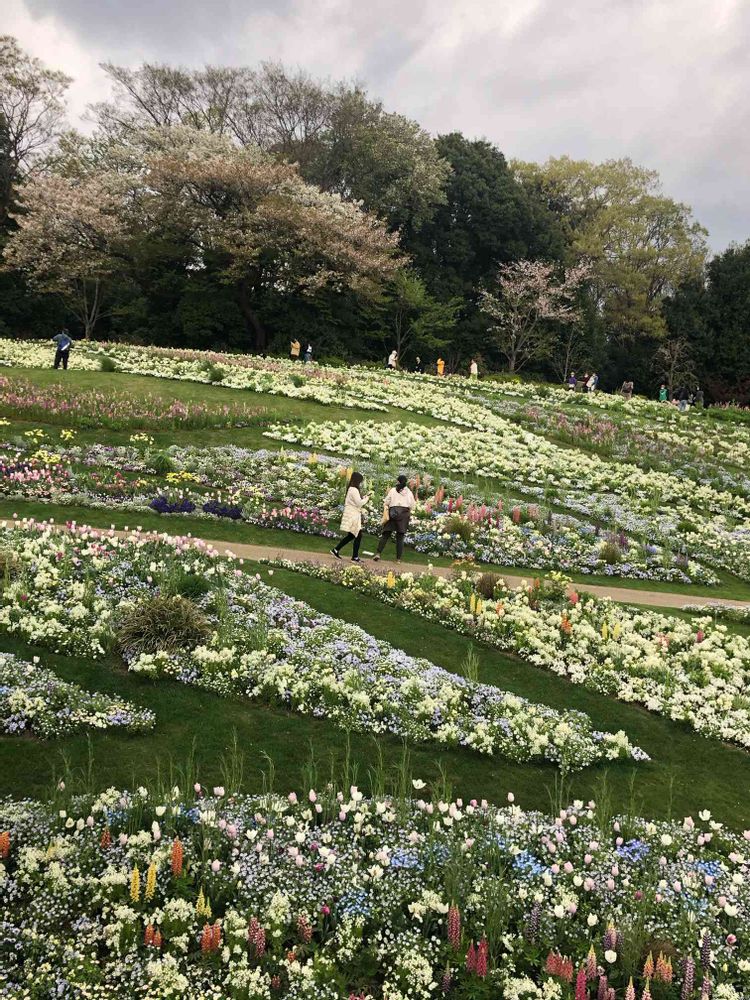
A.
pixel 392 360
pixel 474 369
pixel 398 505
pixel 351 519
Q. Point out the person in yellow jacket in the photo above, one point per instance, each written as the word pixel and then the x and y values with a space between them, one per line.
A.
pixel 294 348
pixel 440 366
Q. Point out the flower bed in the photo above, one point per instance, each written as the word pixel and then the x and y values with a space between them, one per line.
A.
pixel 35 700
pixel 695 671
pixel 302 492
pixel 260 643
pixel 333 895
pixel 712 526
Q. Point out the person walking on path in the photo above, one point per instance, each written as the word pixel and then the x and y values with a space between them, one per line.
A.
pixel 473 370
pixel 294 348
pixel 440 366
pixel 397 507
pixel 308 353
pixel 351 519
pixel 699 400
pixel 64 342
pixel 663 394
pixel 393 360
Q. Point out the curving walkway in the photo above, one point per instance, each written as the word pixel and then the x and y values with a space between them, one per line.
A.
pixel 624 595
pixel 255 553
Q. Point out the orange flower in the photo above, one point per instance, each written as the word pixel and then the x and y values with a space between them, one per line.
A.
pixel 106 840
pixel 148 935
pixel 207 939
pixel 4 844
pixel 177 857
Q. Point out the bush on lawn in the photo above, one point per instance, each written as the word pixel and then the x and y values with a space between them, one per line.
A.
pixel 160 622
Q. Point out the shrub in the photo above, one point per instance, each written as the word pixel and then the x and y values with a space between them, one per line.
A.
pixel 185 584
pixel 160 463
pixel 487 584
pixel 610 553
pixel 214 373
pixel 160 622
pixel 297 381
pixel 457 525
pixel 107 364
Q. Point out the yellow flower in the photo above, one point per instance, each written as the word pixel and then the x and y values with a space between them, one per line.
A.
pixel 313 459
pixel 135 885
pixel 605 631
pixel 617 630
pixel 390 580
pixel 473 603
pixel 203 906
pixel 151 881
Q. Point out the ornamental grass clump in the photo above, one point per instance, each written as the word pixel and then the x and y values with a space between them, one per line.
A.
pixel 487 585
pixel 9 566
pixel 457 525
pixel 160 623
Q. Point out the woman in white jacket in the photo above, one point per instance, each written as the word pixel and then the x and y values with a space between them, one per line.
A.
pixel 398 505
pixel 351 519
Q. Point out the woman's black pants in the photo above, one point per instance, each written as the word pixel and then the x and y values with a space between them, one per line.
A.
pixel 348 537
pixel 386 533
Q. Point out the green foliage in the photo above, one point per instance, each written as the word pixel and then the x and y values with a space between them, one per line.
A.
pixel 487 584
pixel 458 525
pixel 610 553
pixel 160 622
pixel 107 364
pixel 160 463
pixel 469 666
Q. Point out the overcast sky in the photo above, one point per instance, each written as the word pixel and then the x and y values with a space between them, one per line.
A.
pixel 666 83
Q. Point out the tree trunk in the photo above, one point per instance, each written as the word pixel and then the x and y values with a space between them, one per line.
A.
pixel 254 326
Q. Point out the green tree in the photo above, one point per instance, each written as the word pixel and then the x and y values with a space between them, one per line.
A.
pixel 713 316
pixel 640 244
pixel 342 141
pixel 488 219
pixel 413 321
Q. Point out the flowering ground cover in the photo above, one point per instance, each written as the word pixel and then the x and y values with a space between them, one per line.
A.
pixel 35 700
pixel 302 492
pixel 694 670
pixel 330 894
pixel 244 639
pixel 417 891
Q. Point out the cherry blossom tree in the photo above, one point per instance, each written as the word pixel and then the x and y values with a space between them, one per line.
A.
pixel 531 297
pixel 70 239
pixel 237 211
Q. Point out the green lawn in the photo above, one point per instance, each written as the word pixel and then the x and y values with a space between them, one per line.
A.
pixel 680 779
pixel 687 772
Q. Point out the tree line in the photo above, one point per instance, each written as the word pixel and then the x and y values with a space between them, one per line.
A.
pixel 235 208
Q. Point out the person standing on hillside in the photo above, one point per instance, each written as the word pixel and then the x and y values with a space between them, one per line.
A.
pixel 627 389
pixel 294 348
pixel 418 366
pixel 393 360
pixel 308 353
pixel 63 342
pixel 440 366
pixel 663 394
pixel 397 507
pixel 351 519
pixel 473 370
pixel 571 383
pixel 699 398
pixel 592 383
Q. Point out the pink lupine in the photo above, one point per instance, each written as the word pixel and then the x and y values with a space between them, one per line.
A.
pixel 454 927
